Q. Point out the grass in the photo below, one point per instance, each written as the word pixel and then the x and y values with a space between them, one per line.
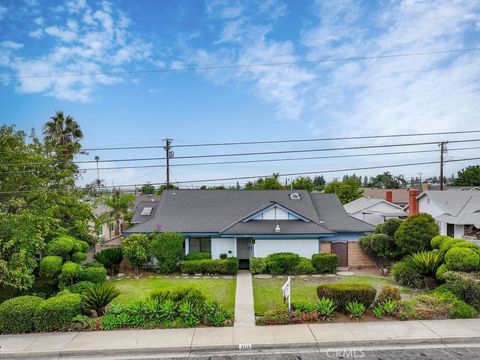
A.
pixel 267 293
pixel 221 290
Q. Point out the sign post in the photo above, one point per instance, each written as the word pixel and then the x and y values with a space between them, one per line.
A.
pixel 286 292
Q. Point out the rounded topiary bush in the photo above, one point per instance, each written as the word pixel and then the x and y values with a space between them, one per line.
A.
pixel 442 269
pixel 79 257
pixel 57 312
pixel 447 244
pixel 81 286
pixel 282 263
pixel 462 259
pixel 437 241
pixel 305 266
pixel 80 246
pixel 465 244
pixel 16 315
pixel 342 294
pixel 95 274
pixel 325 263
pixel 50 266
pixel 71 272
pixel 61 246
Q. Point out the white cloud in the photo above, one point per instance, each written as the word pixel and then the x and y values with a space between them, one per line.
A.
pixel 11 45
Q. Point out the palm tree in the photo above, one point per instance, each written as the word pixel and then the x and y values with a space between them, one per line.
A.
pixel 63 132
pixel 120 204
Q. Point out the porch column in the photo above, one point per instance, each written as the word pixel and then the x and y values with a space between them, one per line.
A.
pixel 187 244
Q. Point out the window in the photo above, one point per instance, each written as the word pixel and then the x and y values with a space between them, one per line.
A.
pixel 112 226
pixel 146 211
pixel 200 244
pixel 100 231
pixel 451 230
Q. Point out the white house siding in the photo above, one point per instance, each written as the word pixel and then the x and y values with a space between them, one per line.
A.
pixel 379 209
pixel 429 206
pixel 302 247
pixel 223 246
pixel 459 231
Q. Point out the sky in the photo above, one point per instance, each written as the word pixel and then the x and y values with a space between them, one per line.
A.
pixel 113 65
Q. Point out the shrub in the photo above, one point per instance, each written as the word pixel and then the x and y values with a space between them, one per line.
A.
pixel 198 256
pixel 379 246
pixel 460 309
pixel 415 233
pixel 388 293
pixel 405 275
pixel 426 264
pixel 223 256
pixel 465 244
pixel 50 267
pixel 167 249
pixel 258 265
pixel 447 244
pixel 57 312
pixel 110 259
pixel 389 227
pixel 231 265
pixel 179 296
pixel 325 263
pixel 389 306
pixel 80 246
pixel 71 272
pixel 466 286
pixel 189 314
pixel 462 259
pixel 217 266
pixel 80 287
pixel 325 308
pixel 440 271
pixel 438 240
pixel 98 297
pixel 356 309
pixel 79 257
pixel 95 274
pixel 215 315
pixel 136 249
pixel 378 311
pixel 305 267
pixel 16 314
pixel 61 246
pixel 282 263
pixel 277 316
pixel 342 294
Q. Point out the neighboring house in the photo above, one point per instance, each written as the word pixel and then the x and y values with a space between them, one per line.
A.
pixel 396 196
pixel 249 224
pixel 374 211
pixel 456 212
pixel 108 229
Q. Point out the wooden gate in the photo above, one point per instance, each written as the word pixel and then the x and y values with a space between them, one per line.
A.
pixel 341 249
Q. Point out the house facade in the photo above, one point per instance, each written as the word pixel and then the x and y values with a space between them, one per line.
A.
pixel 249 224
pixel 374 211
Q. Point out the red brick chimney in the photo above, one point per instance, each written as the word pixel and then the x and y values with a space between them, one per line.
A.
pixel 413 202
pixel 389 196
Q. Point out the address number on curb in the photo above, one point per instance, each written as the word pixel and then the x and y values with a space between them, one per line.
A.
pixel 245 346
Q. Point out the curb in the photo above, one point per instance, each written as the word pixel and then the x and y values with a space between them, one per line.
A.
pixel 235 347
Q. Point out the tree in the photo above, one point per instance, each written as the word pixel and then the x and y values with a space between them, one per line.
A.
pixel 319 181
pixel 469 176
pixel 387 181
pixel 415 233
pixel 147 189
pixel 346 190
pixel 303 183
pixel 270 183
pixel 63 132
pixel 136 249
pixel 120 204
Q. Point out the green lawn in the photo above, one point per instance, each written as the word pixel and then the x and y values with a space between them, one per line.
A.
pixel 267 293
pixel 222 290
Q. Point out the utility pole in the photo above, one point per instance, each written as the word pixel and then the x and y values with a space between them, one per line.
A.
pixel 168 155
pixel 442 150
pixel 97 158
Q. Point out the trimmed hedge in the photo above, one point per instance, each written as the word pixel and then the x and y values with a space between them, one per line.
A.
pixel 57 312
pixel 217 266
pixel 81 286
pixel 167 248
pixel 282 263
pixel 16 314
pixel 325 263
pixel 71 273
pixel 198 256
pixel 466 286
pixel 438 240
pixel 462 259
pixel 342 294
pixel 79 257
pixel 50 267
pixel 258 265
pixel 305 266
pixel 61 246
pixel 447 244
pixel 95 274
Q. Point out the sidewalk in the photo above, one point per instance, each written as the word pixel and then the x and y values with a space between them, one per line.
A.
pixel 138 342
pixel 244 313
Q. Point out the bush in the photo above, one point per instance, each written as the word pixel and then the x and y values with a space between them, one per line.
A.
pixel 425 263
pixel 98 297
pixel 325 263
pixel 110 259
pixel 258 265
pixel 465 244
pixel 305 267
pixel 325 308
pixel 356 309
pixel 440 271
pixel 438 240
pixel 379 246
pixel 198 256
pixel 389 227
pixel 466 286
pixel 217 266
pixel 223 256
pixel 447 244
pixel 179 296
pixel 136 249
pixel 50 267
pixel 342 294
pixel 95 274
pixel 79 257
pixel 388 293
pixel 16 314
pixel 277 316
pixel 61 246
pixel 80 246
pixel 460 309
pixel 282 263
pixel 415 233
pixel 462 259
pixel 57 312
pixel 167 249
pixel 71 272
pixel 405 275
pixel 80 287
pixel 215 315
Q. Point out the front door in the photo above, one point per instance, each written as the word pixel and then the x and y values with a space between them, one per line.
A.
pixel 341 249
pixel 244 251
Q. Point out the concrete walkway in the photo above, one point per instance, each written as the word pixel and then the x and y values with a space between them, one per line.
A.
pixel 244 312
pixel 144 342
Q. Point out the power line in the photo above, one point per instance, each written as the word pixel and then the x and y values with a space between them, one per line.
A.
pixel 256 176
pixel 251 65
pixel 246 161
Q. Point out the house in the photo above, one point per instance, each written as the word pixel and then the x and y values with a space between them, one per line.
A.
pixel 456 212
pixel 396 196
pixel 374 211
pixel 145 208
pixel 249 224
pixel 108 228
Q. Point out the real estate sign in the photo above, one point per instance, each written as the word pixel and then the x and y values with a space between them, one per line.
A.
pixel 286 292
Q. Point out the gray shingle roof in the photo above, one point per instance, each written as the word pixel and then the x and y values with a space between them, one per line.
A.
pixel 138 218
pixel 211 211
pixel 460 207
